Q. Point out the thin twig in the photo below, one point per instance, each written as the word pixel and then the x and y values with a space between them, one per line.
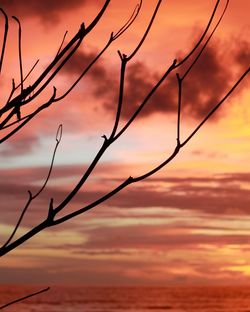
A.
pixel 147 98
pixel 84 72
pixel 24 298
pixel 216 107
pixel 112 138
pixel 173 66
pixel 112 38
pixel 78 37
pixel 52 212
pixel 32 197
pixel 32 115
pixel 146 32
pixel 20 50
pixel 129 22
pixel 131 180
pixel 12 92
pixel 14 88
pixel 206 43
pixel 121 91
pixel 31 70
pixel 202 36
pixel 15 122
pixel 62 43
pixel 60 66
pixel 179 107
pixel 6 28
pixel 124 61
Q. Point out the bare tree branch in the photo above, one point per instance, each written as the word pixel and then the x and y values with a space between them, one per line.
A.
pixel 216 107
pixel 31 196
pixel 20 51
pixel 29 117
pixel 14 105
pixel 75 41
pixel 60 48
pixel 6 27
pixel 24 298
pixel 179 107
pixel 28 95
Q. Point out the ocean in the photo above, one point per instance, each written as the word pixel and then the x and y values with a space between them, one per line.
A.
pixel 132 299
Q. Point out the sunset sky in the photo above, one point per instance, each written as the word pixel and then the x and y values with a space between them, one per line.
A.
pixel 187 224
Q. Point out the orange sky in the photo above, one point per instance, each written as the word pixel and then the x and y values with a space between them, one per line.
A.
pixel 189 223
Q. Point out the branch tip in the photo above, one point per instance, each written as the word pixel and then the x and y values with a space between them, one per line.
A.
pixel 53 95
pixel 51 212
pixel 104 137
pixel 130 179
pixel 111 37
pixel 120 54
pixel 16 19
pixel 178 76
pixel 82 27
pixel 59 133
pixel 4 13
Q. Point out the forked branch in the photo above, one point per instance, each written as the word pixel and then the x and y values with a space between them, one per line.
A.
pixel 53 212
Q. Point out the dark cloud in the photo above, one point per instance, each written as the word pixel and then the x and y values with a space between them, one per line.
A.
pixel 99 76
pixel 47 10
pixel 209 80
pixel 242 54
pixel 203 88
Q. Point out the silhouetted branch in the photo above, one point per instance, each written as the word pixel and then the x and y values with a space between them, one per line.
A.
pixel 124 61
pixel 112 38
pixel 62 57
pixel 145 101
pixel 31 196
pixel 29 117
pixel 179 107
pixel 129 21
pixel 146 32
pixel 121 91
pixel 14 87
pixel 24 298
pixel 205 44
pixel 175 64
pixel 85 71
pixel 216 107
pixel 27 95
pixel 131 180
pixel 20 51
pixel 203 35
pixel 62 43
pixel 74 44
pixel 107 142
pixel 6 27
pixel 12 91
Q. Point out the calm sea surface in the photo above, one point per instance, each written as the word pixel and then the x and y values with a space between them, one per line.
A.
pixel 138 299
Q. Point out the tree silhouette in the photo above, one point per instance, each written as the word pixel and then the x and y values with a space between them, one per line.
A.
pixel 21 96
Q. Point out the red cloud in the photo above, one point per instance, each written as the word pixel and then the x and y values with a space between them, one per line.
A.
pixel 47 10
